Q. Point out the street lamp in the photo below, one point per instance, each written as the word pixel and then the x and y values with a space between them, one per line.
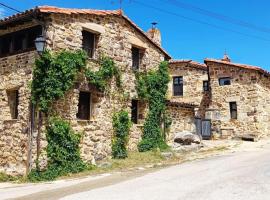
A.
pixel 40 44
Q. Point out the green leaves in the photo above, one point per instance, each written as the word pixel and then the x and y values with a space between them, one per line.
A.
pixel 54 75
pixel 153 88
pixel 107 70
pixel 63 152
pixel 121 126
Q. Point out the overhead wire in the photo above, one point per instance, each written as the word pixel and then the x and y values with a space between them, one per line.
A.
pixel 199 21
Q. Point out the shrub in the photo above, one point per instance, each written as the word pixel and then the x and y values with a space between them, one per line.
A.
pixel 153 88
pixel 62 151
pixel 121 126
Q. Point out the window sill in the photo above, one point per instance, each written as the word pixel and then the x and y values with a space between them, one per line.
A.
pixel 86 120
pixel 11 120
pixel 18 52
pixel 95 60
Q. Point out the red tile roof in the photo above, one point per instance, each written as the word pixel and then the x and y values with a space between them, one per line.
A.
pixel 244 66
pixel 69 11
pixel 191 62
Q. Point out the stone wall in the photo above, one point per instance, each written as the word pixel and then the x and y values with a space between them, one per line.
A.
pixel 65 32
pixel 193 76
pixel 15 74
pixel 182 120
pixel 248 92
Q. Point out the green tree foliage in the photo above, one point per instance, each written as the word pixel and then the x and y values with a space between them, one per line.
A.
pixel 121 126
pixel 107 70
pixel 54 75
pixel 63 152
pixel 153 88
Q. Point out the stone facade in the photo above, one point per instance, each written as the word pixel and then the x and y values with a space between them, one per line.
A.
pixel 115 37
pixel 249 88
pixel 184 108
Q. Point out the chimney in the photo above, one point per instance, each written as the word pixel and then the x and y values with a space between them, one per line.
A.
pixel 226 58
pixel 154 33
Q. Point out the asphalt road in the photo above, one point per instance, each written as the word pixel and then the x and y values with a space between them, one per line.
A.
pixel 241 175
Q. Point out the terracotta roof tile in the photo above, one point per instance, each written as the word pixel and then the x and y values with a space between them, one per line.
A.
pixel 244 66
pixel 191 62
pixel 69 11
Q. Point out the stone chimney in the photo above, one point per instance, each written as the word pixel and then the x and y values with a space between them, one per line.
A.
pixel 154 34
pixel 226 58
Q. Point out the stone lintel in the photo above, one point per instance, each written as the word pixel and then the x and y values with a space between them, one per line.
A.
pixel 94 28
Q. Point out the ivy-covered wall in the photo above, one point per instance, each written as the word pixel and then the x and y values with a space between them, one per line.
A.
pixel 65 32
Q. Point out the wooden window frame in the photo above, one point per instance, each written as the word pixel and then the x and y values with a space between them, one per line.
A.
pixel 91 51
pixel 14 113
pixel 84 116
pixel 233 110
pixel 136 60
pixel 134 114
pixel 222 81
pixel 180 83
pixel 205 86
pixel 25 41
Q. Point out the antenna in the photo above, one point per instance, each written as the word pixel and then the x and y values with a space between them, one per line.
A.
pixel 120 4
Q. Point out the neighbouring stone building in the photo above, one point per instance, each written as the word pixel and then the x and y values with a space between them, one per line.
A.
pixel 233 98
pixel 240 99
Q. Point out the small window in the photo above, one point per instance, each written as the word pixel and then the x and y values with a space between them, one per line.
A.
pixel 134 111
pixel 233 110
pixel 135 58
pixel 20 40
pixel 13 102
pixel 89 40
pixel 84 106
pixel 225 81
pixel 205 86
pixel 178 86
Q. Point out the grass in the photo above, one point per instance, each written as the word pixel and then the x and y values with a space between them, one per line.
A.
pixel 7 178
pixel 150 159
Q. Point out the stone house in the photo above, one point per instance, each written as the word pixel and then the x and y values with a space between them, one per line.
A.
pixel 240 100
pixel 98 32
pixel 232 97
pixel 187 95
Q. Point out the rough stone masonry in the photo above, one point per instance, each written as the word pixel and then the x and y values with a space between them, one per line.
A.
pixel 194 89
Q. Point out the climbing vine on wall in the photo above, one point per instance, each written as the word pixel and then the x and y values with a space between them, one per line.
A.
pixel 53 75
pixel 121 126
pixel 153 88
pixel 63 151
pixel 108 69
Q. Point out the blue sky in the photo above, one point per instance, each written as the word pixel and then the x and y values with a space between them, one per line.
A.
pixel 182 35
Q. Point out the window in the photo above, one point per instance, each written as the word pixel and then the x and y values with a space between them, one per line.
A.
pixel 13 102
pixel 134 111
pixel 178 86
pixel 205 86
pixel 84 106
pixel 135 58
pixel 19 41
pixel 233 110
pixel 225 81
pixel 89 40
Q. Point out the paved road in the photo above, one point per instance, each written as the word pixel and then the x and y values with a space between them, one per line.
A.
pixel 235 176
pixel 241 176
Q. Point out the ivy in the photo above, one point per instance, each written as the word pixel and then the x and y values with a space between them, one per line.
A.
pixel 153 88
pixel 121 126
pixel 53 75
pixel 107 70
pixel 63 152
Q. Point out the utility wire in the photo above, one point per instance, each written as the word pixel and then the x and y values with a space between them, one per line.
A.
pixel 9 7
pixel 198 21
pixel 218 16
